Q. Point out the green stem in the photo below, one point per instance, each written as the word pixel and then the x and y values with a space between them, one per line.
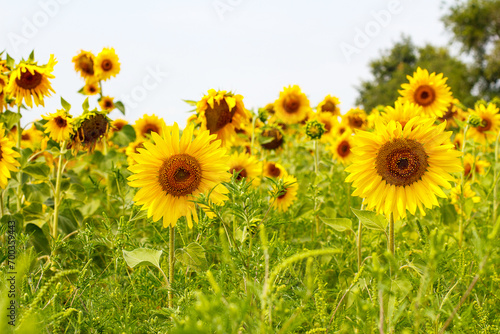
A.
pixel 18 145
pixel 390 244
pixel 360 234
pixel 171 250
pixel 316 171
pixel 462 198
pixel 57 193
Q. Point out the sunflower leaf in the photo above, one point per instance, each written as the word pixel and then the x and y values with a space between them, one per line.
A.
pixel 85 104
pixel 338 224
pixel 371 220
pixel 38 170
pixel 119 105
pixel 142 256
pixel 192 255
pixel 9 118
pixel 65 104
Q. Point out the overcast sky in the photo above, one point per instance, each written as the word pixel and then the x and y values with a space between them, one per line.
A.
pixel 175 50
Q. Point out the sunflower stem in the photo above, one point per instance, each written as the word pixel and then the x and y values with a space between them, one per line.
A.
pixel 316 171
pixel 462 198
pixel 18 145
pixel 171 250
pixel 360 227
pixel 391 234
pixel 57 192
pixel 495 172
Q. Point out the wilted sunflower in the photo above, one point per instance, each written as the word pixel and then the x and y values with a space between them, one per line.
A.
pixel 91 87
pixel 84 64
pixel 171 173
pixel 8 163
pixel 478 164
pixel 490 123
pixel 330 105
pixel 149 124
pixel 4 80
pixel 429 91
pixel 59 125
pixel 402 112
pixel 106 64
pixel 106 103
pixel 30 82
pixel 396 169
pixel 292 106
pixel 90 128
pixel 222 113
pixel 246 166
pixel 274 170
pixel 271 138
pixel 341 149
pixel 355 119
pixel 288 193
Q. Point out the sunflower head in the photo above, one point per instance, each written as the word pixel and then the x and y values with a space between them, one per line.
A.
pixel 273 170
pixel 245 166
pixel 106 64
pixel 284 192
pixel 106 103
pixel 292 106
pixel 330 104
pixel 91 87
pixel 146 125
pixel 341 149
pixel 84 64
pixel 132 149
pixel 474 166
pixel 8 162
pixel 90 127
pixel 485 122
pixel 59 125
pixel 402 112
pixel 454 112
pixel 355 119
pixel 428 91
pixel 271 138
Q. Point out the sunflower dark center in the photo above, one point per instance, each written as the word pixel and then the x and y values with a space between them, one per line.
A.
pixel 467 170
pixel 149 128
pixel 344 149
pixel 1 153
pixel 92 89
pixel 329 106
pixel 219 116
pixel 277 139
pixel 401 162
pixel 341 130
pixel 136 149
pixel 108 104
pixel 328 126
pixel 180 175
pixel 449 113
pixel 283 194
pixel 60 122
pixel 424 95
pixel 291 105
pixel 25 136
pixel 273 170
pixel 486 127
pixel 355 121
pixel 242 173
pixel 28 80
pixel 107 65
pixel 86 64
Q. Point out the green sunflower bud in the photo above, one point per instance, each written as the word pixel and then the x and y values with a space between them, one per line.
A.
pixel 315 129
pixel 475 120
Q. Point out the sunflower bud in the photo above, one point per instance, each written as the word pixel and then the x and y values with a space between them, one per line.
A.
pixel 263 115
pixel 315 129
pixel 475 120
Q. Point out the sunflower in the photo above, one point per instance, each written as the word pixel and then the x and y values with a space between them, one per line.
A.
pixel 402 112
pixel 478 165
pixel 490 125
pixel 452 113
pixel 106 64
pixel 90 127
pixel 340 129
pixel 429 91
pixel 84 64
pixel 59 125
pixel 91 87
pixel 458 140
pixel 132 149
pixel 148 124
pixel 341 149
pixel 106 103
pixel 171 173
pixel 330 105
pixel 288 193
pixel 355 119
pixel 246 166
pixel 30 138
pixel 271 138
pixel 330 122
pixel 7 158
pixel 117 125
pixel 273 170
pixel 30 82
pixel 292 106
pixel 4 80
pixel 222 113
pixel 396 169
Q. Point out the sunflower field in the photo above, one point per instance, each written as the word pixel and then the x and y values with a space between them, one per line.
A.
pixel 298 217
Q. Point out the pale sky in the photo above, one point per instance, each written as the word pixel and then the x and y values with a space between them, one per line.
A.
pixel 175 50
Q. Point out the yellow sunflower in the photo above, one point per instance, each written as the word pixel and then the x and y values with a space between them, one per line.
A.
pixel 246 166
pixel 330 122
pixel 171 173
pixel 340 129
pixel 132 149
pixel 91 87
pixel 84 64
pixel 106 103
pixel 273 170
pixel 355 119
pixel 478 165
pixel 149 124
pixel 402 112
pixel 117 125
pixel 396 169
pixel 288 193
pixel 59 125
pixel 106 64
pixel 30 82
pixel 292 106
pixel 222 113
pixel 429 91
pixel 8 163
pixel 454 112
pixel 487 131
pixel 458 141
pixel 341 149
pixel 330 105
pixel 4 80
pixel 30 138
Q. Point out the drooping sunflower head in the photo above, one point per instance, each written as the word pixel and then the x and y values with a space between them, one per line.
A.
pixel 146 125
pixel 428 91
pixel 171 172
pixel 59 125
pixel 474 166
pixel 106 103
pixel 355 119
pixel 245 166
pixel 396 169
pixel 222 113
pixel 286 191
pixel 106 64
pixel 489 126
pixel 454 112
pixel 84 64
pixel 29 82
pixel 273 170
pixel 90 128
pixel 341 149
pixel 8 162
pixel 292 106
pixel 402 112
pixel 91 87
pixel 271 138
pixel 330 105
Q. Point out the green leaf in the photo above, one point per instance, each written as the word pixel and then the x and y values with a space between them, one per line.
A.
pixel 119 105
pixel 191 102
pixel 65 104
pixel 31 58
pixel 38 170
pixel 143 256
pixel 371 220
pixel 9 118
pixel 10 62
pixel 85 104
pixel 38 238
pixel 192 255
pixel 338 224
pixel 124 137
pixel 37 192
